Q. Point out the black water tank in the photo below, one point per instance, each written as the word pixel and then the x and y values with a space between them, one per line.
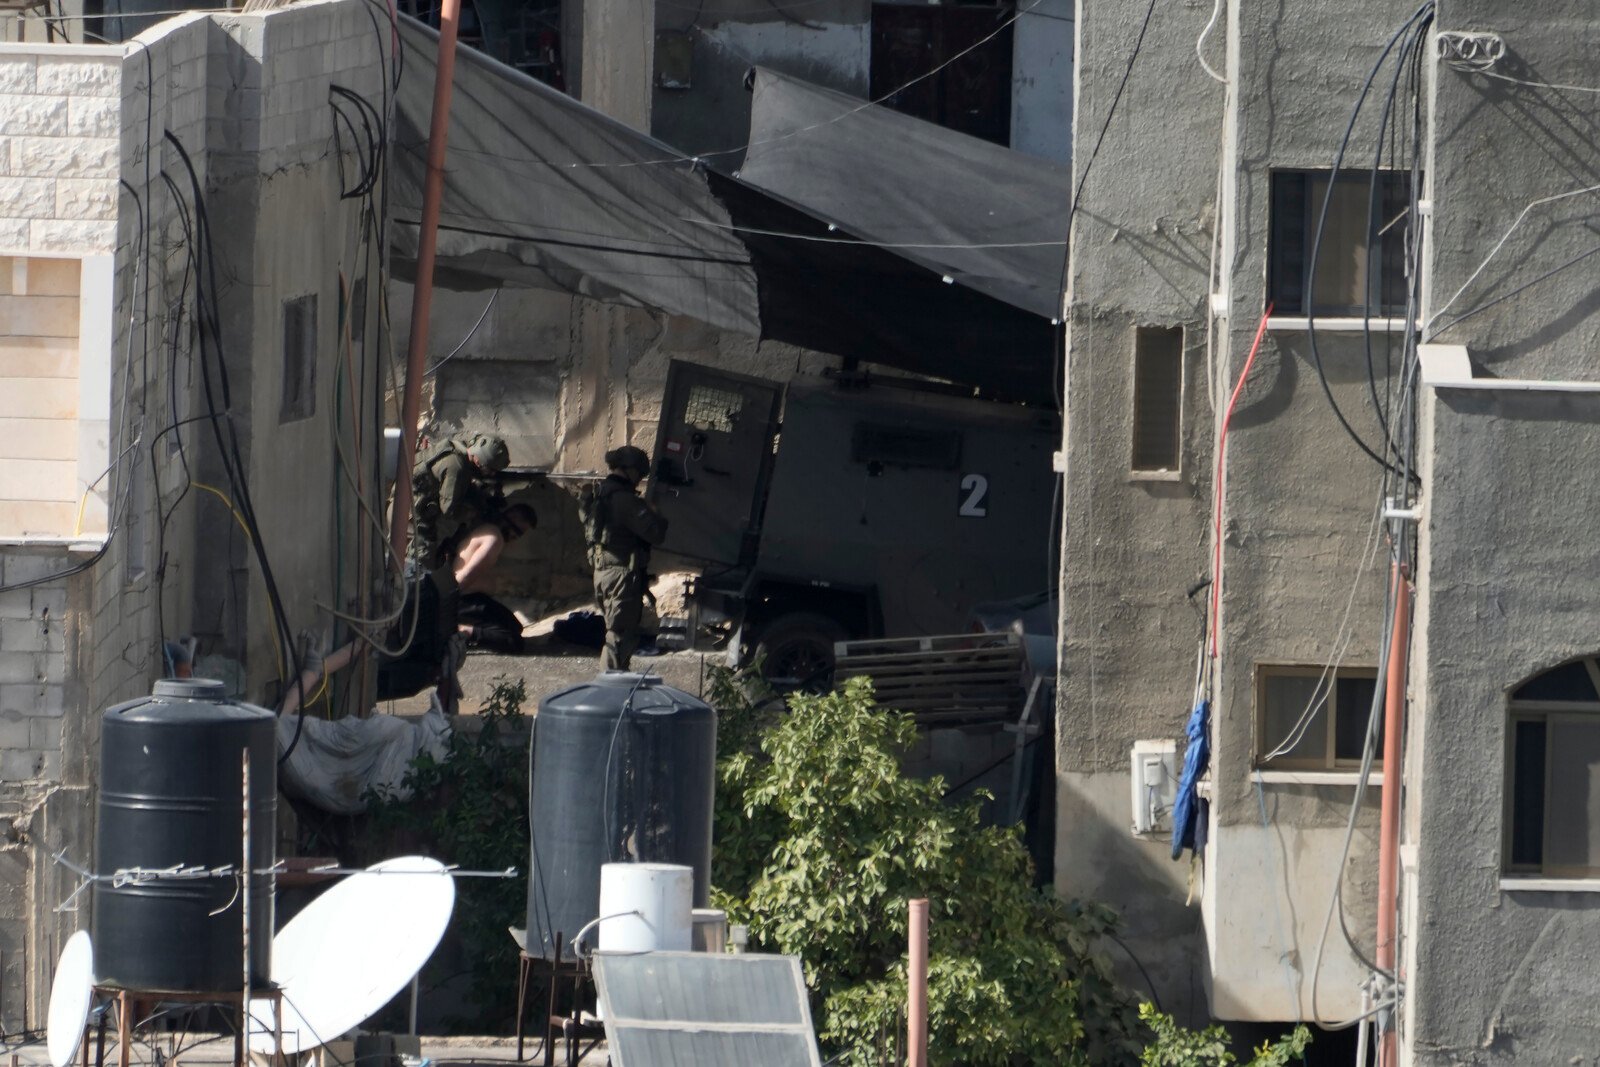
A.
pixel 624 769
pixel 171 773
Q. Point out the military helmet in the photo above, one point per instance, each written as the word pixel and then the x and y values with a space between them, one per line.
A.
pixel 628 458
pixel 490 453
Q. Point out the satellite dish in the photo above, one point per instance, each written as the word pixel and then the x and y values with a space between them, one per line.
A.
pixel 71 994
pixel 352 949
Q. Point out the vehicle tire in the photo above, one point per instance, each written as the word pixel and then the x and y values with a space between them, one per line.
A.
pixel 796 652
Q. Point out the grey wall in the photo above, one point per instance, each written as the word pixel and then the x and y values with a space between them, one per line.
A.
pixel 1133 546
pixel 1508 577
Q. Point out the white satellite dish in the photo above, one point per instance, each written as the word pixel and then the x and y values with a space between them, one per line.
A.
pixel 71 995
pixel 352 949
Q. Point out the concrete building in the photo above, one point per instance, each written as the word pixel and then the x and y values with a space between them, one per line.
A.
pixel 114 539
pixel 1199 212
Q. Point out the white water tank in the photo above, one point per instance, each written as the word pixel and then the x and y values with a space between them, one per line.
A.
pixel 652 905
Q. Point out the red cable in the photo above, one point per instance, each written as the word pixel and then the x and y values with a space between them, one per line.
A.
pixel 1222 456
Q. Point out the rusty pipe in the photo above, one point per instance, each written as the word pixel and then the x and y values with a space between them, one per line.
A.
pixel 1389 816
pixel 422 300
pixel 917 987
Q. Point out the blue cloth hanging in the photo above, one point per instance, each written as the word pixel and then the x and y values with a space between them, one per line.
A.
pixel 1190 812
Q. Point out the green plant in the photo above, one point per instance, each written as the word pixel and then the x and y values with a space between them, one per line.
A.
pixel 471 808
pixel 1175 1046
pixel 822 840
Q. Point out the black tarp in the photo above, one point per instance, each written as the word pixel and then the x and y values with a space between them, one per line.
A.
pixel 543 191
pixel 989 218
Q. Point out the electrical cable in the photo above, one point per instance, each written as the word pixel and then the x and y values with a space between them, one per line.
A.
pixel 1424 13
pixel 1138 44
pixel 867 240
pixel 457 349
pixel 1200 44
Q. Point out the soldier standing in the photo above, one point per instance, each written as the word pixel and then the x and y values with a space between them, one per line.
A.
pixel 621 529
pixel 447 486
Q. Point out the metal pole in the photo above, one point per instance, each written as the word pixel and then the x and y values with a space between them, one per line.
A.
pixel 244 910
pixel 1389 816
pixel 422 299
pixel 917 991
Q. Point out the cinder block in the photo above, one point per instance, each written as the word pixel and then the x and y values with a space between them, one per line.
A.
pixel 34 115
pixel 95 116
pixel 17 74
pixel 65 157
pixel 21 765
pixel 14 730
pixel 21 635
pixel 45 734
pixel 86 198
pixel 18 668
pixel 78 76
pixel 23 565
pixel 16 604
pixel 83 236
pixel 27 198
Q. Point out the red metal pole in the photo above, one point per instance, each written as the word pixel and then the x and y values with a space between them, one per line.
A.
pixel 917 993
pixel 422 301
pixel 1389 817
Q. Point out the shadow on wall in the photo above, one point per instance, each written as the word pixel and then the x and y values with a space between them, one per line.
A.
pixel 1098 858
pixel 550 566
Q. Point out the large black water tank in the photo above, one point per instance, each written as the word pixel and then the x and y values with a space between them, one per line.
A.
pixel 624 769
pixel 171 768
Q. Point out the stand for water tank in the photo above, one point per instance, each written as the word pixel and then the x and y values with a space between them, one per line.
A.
pixel 569 1028
pixel 130 1000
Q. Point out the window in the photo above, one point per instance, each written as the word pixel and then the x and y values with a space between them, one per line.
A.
pixel 947 63
pixel 299 358
pixel 1361 260
pixel 1157 399
pixel 710 408
pixel 1552 825
pixel 1308 721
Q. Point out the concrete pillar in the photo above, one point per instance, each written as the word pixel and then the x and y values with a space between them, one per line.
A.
pixel 618 63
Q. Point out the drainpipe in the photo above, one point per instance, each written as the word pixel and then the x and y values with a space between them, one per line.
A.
pixel 1389 818
pixel 422 301
pixel 917 987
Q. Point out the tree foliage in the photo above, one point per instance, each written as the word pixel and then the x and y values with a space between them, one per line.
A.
pixel 821 841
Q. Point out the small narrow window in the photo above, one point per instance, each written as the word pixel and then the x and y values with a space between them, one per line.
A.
pixel 299 358
pixel 1312 719
pixel 1157 399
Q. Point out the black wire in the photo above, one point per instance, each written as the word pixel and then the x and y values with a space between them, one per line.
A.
pixel 1423 13
pixel 1077 194
pixel 228 445
pixel 1154 996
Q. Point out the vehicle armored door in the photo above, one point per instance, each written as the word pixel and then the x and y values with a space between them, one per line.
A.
pixel 713 457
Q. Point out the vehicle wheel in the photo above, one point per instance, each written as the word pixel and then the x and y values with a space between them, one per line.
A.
pixel 796 652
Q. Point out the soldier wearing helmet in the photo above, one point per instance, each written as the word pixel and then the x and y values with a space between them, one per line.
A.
pixel 621 529
pixel 448 489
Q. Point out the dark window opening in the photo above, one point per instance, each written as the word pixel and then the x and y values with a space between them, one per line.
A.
pixel 1157 399
pixel 1361 261
pixel 973 93
pixel 299 358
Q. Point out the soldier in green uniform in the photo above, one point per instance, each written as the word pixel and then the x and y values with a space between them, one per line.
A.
pixel 621 529
pixel 448 492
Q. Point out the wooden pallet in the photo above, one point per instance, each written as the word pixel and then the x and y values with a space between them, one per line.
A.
pixel 947 679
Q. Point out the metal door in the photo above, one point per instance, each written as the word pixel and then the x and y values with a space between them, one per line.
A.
pixel 714 451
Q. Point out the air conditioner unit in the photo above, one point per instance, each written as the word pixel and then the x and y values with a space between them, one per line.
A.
pixel 1155 785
